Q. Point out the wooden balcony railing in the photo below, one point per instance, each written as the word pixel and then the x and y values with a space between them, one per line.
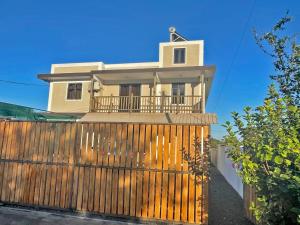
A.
pixel 147 104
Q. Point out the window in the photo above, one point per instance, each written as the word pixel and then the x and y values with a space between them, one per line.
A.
pixel 179 55
pixel 178 93
pixel 74 91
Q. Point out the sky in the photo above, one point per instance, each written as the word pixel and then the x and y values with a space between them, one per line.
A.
pixel 36 34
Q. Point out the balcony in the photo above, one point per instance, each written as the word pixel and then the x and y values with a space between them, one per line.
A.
pixel 147 104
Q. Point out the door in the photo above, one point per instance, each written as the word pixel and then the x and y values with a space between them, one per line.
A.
pixel 130 98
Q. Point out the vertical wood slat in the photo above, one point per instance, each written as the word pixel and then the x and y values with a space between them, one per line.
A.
pixel 122 171
pixel 178 166
pixel 165 175
pixel 110 157
pixel 184 187
pixel 191 187
pixel 141 151
pixel 132 170
pixel 134 153
pixel 171 175
pixel 103 153
pixel 153 165
pixel 117 151
pixel 199 180
pixel 158 183
pixel 146 173
pixel 97 149
pixel 127 179
pixel 205 186
pixel 91 170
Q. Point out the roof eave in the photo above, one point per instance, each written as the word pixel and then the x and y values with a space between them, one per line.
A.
pixel 64 76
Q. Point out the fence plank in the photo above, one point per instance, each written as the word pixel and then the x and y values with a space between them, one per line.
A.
pixel 2 135
pixel 184 188
pixel 153 166
pixel 158 183
pixel 97 161
pixel 141 151
pixel 128 171
pixel 191 205
pixel 205 185
pixel 199 181
pixel 164 205
pixel 171 175
pixel 146 173
pixel 178 167
pixel 122 171
pixel 110 157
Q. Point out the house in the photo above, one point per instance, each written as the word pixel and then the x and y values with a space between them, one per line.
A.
pixel 173 90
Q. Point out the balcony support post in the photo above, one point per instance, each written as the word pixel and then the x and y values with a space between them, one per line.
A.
pixel 92 94
pixel 163 102
pixel 202 94
pixel 111 103
pixel 154 91
pixel 177 100
pixel 192 108
pixel 130 102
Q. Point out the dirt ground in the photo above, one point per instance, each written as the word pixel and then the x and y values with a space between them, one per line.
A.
pixel 225 204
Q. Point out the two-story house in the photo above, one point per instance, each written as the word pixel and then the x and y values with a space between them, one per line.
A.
pixel 172 90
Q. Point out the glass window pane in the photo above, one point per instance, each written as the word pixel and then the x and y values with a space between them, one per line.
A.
pixel 179 55
pixel 74 91
pixel 178 92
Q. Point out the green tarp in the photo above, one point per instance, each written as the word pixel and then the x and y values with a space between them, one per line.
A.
pixel 17 112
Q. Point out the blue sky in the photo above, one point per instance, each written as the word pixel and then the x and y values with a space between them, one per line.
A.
pixel 35 34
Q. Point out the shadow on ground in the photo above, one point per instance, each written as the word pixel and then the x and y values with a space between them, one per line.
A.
pixel 21 216
pixel 225 204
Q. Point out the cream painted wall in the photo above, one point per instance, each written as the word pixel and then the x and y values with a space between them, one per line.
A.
pixel 58 90
pixel 145 90
pixel 109 90
pixel 59 102
pixel 194 54
pixel 74 69
pixel 166 88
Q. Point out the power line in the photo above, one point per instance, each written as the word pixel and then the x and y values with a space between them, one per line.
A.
pixel 22 83
pixel 235 53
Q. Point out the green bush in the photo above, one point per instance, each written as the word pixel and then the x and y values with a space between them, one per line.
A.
pixel 265 142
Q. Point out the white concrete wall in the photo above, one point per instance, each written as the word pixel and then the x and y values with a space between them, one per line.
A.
pixel 226 168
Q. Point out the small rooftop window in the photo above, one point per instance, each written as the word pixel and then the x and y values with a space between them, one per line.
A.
pixel 179 55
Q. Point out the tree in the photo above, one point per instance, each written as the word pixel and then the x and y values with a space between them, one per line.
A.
pixel 286 55
pixel 265 142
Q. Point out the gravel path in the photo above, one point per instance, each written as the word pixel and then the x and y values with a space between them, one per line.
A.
pixel 225 204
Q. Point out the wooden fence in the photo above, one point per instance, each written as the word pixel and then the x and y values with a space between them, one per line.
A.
pixel 249 196
pixel 125 170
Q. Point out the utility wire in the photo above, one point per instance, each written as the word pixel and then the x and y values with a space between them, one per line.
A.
pixel 235 54
pixel 22 83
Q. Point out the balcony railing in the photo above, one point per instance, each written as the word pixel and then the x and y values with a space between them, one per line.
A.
pixel 147 104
